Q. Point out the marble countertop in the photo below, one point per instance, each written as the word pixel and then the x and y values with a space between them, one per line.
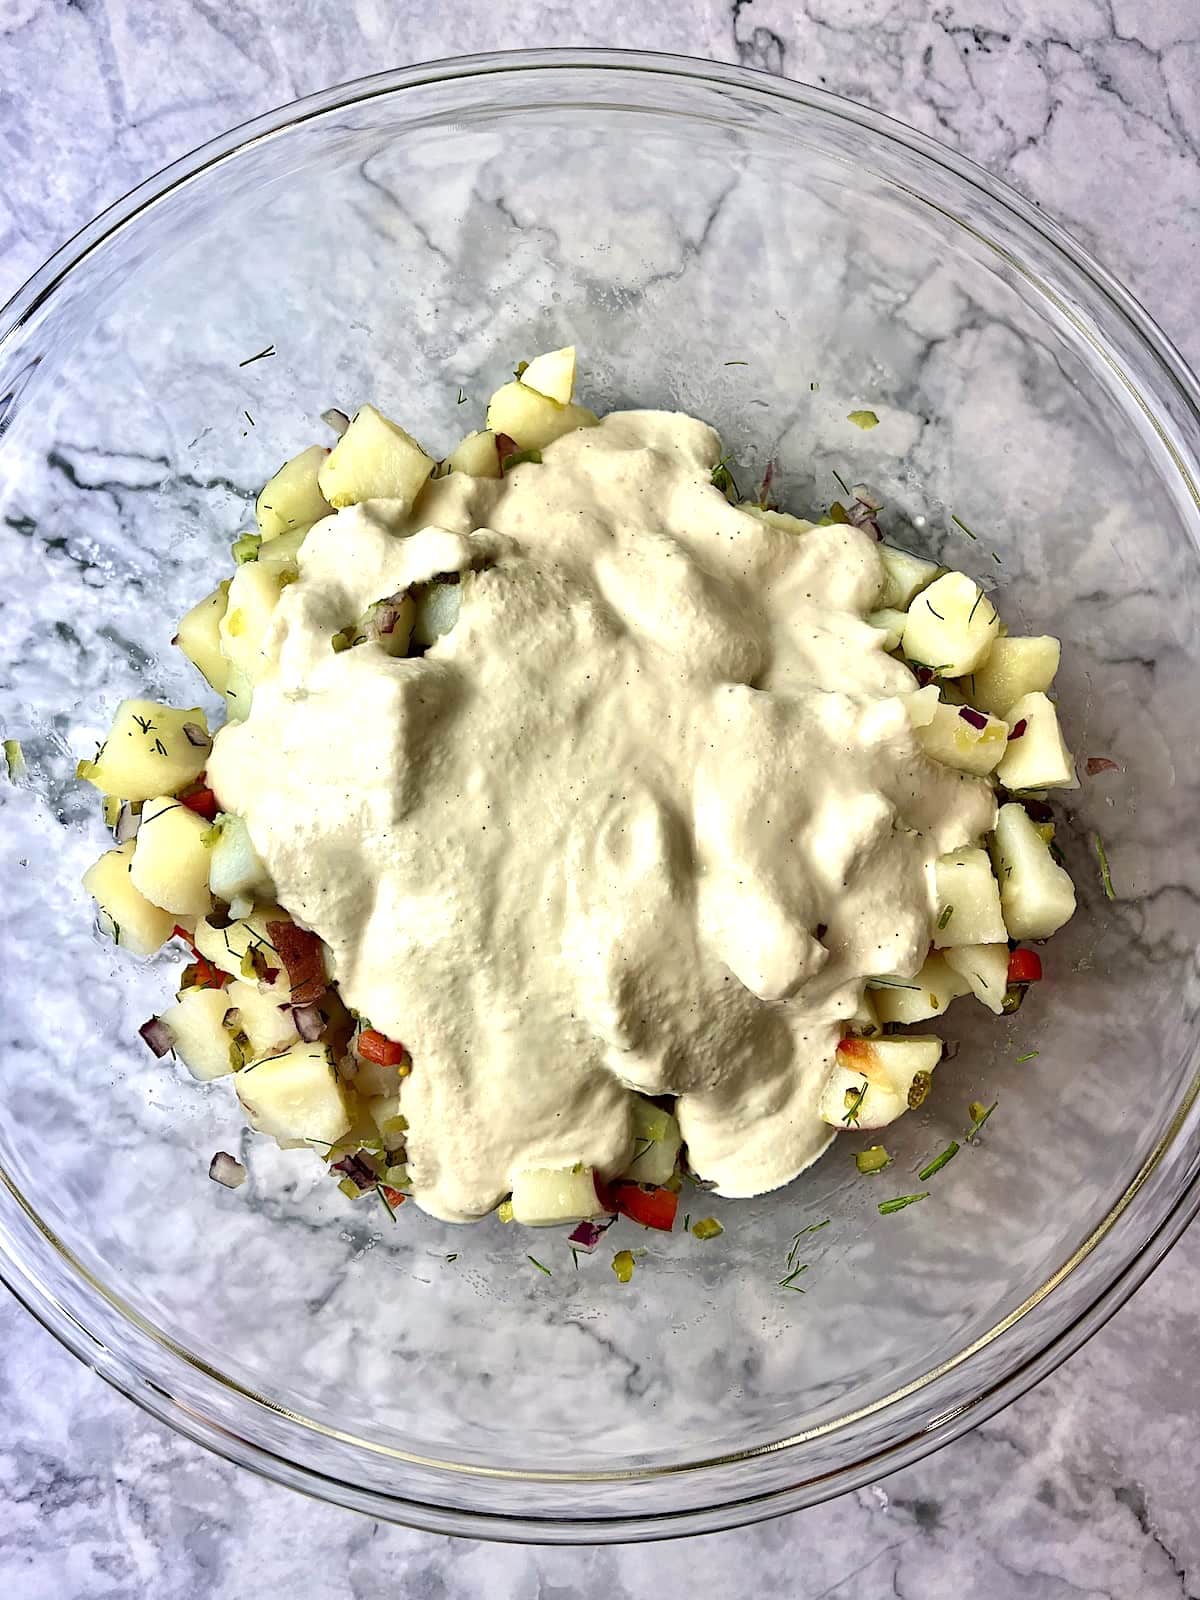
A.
pixel 1086 1486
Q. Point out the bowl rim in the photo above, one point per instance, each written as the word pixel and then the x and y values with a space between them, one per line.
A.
pixel 1053 1347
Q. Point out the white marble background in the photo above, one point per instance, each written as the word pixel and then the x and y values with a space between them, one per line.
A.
pixel 1085 1488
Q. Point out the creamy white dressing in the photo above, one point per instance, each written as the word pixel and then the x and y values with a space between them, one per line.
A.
pixel 645 819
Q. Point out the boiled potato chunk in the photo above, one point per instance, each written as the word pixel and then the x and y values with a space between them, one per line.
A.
pixel 254 592
pixel 890 623
pixel 783 520
pixel 530 419
pixel 889 1070
pixel 374 460
pixel 1015 667
pixel 1038 758
pixel 226 947
pixel 199 636
pixel 985 968
pixel 284 551
pixel 904 576
pixel 477 455
pixel 235 870
pixel 968 900
pixel 955 741
pixel 656 1143
pixel 1037 894
pixel 951 626
pixel 147 752
pixel 171 858
pixel 437 608
pixel 552 374
pixel 295 1097
pixel 293 498
pixel 127 916
pixel 259 1017
pixel 927 995
pixel 544 1196
pixel 198 1032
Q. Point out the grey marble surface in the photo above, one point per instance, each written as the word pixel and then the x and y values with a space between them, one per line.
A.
pixel 1086 1486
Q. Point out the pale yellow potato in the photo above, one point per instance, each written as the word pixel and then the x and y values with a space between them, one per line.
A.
pixel 951 626
pixel 1039 758
pixel 147 752
pixel 955 742
pixel 295 1097
pixel 127 916
pixel 530 419
pixel 260 1018
pixel 1036 894
pixel 968 900
pixel 199 636
pixel 293 498
pixel 171 857
pixel 198 1033
pixel 1015 666
pixel 552 374
pixel 476 454
pixel 374 460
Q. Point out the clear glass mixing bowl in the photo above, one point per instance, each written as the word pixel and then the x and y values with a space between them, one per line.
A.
pixel 768 257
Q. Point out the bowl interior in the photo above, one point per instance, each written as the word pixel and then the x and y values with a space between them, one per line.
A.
pixel 771 268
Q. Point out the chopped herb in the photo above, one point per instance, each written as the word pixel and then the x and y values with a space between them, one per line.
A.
pixel 872 1160
pixel 521 368
pixel 14 758
pixel 891 983
pixel 938 1162
pixel 838 514
pixel 945 916
pixel 736 363
pixel 462 398
pixel 539 1266
pixel 790 1281
pixel 723 479
pixel 453 1256
pixel 929 606
pixel 866 420
pixel 886 1207
pixel 248 418
pixel 687 1221
pixel 1028 1056
pixel 815 1227
pixel 979 1114
pixel 520 457
pixel 841 483
pixel 813 387
pixel 159 747
pixel 622 1265
pixel 707 1228
pixel 144 723
pixel 959 523
pixel 261 356
pixel 974 608
pixel 853 1100
pixel 1014 996
pixel 997 559
pixel 1105 874
pixel 918 1089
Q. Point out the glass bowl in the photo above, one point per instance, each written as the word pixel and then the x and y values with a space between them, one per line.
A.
pixel 771 258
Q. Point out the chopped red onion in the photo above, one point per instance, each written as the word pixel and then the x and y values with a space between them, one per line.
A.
pixel 224 1169
pixel 195 734
pixel 335 419
pixel 864 496
pixel 310 1022
pixel 1018 730
pixel 231 1018
pixel 506 446
pixel 1097 764
pixel 976 719
pixel 1037 811
pixel 158 1036
pixel 589 1234
pixel 356 1169
pixel 127 823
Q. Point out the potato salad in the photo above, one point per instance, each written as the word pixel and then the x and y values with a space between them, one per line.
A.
pixel 576 824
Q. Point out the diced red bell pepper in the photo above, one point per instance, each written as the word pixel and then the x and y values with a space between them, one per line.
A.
pixel 393 1197
pixel 203 802
pixel 201 974
pixel 653 1208
pixel 182 933
pixel 1024 966
pixel 377 1047
pixel 300 951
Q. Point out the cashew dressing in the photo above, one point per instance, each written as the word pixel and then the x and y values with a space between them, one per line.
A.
pixel 646 818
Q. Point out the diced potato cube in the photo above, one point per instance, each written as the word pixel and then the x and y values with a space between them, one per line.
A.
pixel 436 612
pixel 147 753
pixel 386 1117
pixel 874 1081
pixel 283 552
pixel 904 576
pixel 128 918
pixel 295 1097
pixel 171 858
pixel 239 695
pixel 656 1143
pixel 477 455
pixel 543 1196
pixel 985 968
pixel 234 866
pixel 926 995
pixel 968 900
pixel 293 498
pixel 783 520
pixel 1037 894
pixel 891 623
pixel 552 374
pixel 1037 756
pixel 374 460
pixel 530 419
pixel 227 948
pixel 202 1041
pixel 1015 667
pixel 951 626
pixel 254 592
pixel 199 636
pixel 260 1017
pixel 953 739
